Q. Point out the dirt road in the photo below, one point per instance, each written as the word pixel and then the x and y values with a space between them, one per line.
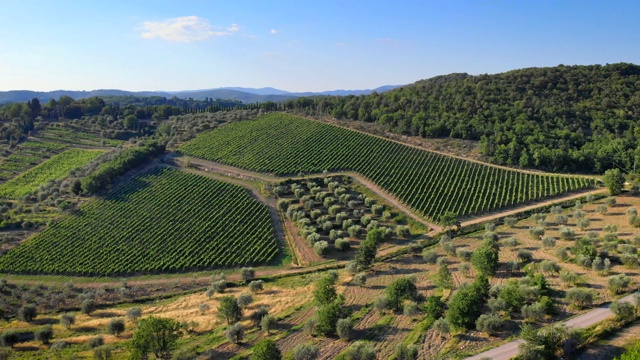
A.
pixel 510 349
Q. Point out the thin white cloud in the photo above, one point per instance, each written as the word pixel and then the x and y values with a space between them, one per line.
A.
pixel 274 31
pixel 184 29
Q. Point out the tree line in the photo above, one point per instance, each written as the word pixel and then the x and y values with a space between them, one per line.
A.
pixel 564 118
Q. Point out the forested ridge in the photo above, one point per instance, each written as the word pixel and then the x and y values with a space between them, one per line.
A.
pixel 564 118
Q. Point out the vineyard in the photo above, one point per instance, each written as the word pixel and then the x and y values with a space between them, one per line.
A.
pixel 55 168
pixel 161 220
pixel 26 155
pixel 430 183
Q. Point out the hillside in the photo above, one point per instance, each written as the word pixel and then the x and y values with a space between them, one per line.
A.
pixel 431 184
pixel 162 220
pixel 564 118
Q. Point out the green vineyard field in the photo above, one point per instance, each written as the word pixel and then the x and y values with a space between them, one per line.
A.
pixel 162 220
pixel 55 168
pixel 430 183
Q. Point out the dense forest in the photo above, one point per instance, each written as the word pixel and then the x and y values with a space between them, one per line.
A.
pixel 565 118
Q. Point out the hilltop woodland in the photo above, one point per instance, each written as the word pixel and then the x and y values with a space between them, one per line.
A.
pixel 563 119
pixel 179 229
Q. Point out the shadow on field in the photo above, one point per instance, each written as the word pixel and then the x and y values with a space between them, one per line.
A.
pixel 122 193
pixel 85 329
pixel 45 321
pixel 104 314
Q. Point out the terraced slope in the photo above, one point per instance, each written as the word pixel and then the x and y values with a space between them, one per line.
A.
pixel 54 168
pixel 430 183
pixel 162 220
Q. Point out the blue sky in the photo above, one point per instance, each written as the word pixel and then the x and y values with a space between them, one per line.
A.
pixel 300 45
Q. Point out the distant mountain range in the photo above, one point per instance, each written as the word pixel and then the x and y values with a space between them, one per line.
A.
pixel 246 95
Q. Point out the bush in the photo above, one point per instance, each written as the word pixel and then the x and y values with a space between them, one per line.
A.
pixel 610 201
pixel 489 324
pixel 9 338
pixel 536 232
pixel 306 352
pixel 497 305
pixel 623 310
pixel 381 304
pixel 404 352
pixel 259 314
pixel 465 269
pixel 561 219
pixel 27 313
pixel 511 242
pixel 104 353
pixel 57 345
pixel 344 329
pixel 525 255
pixel 88 306
pixel 618 283
pixel 44 334
pixel 256 286
pixel 583 224
pixel 247 274
pixel 579 297
pixel 311 327
pixel 534 312
pixel 244 300
pixel 94 342
pixel 548 242
pixel 464 254
pixel 549 267
pixel 219 286
pixel 567 233
pixel 266 349
pixel 321 247
pixel 267 323
pixel 342 244
pixel 510 221
pixel 403 231
pixel 411 309
pixel 601 209
pixel 430 256
pixel 134 314
pixel 327 317
pixel 441 326
pixel 235 333
pixel 115 327
pixel 359 279
pixel 67 320
pixel 361 350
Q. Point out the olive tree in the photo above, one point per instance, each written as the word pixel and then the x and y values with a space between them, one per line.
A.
pixel 306 351
pixel 115 327
pixel 44 334
pixel 134 314
pixel 67 320
pixel 157 335
pixel 235 333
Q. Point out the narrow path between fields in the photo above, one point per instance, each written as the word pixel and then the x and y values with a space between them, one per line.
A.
pixel 510 349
